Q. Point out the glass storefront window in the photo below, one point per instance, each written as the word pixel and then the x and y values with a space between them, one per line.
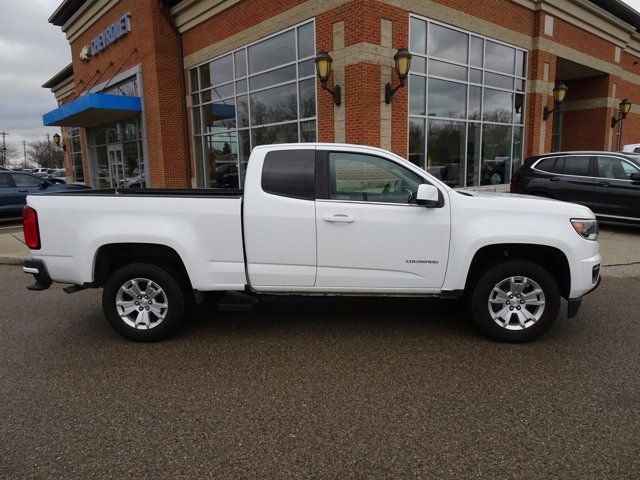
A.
pixel 128 87
pixel 466 104
pixel 261 93
pixel 75 155
pixel 447 145
pixel 496 154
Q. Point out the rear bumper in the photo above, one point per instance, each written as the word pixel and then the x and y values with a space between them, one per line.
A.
pixel 38 269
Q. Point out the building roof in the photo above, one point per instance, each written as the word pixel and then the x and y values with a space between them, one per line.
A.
pixel 65 11
pixel 616 7
pixel 59 77
pixel 69 7
pixel 621 10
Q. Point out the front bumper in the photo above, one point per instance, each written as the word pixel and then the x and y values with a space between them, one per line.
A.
pixel 38 269
pixel 575 303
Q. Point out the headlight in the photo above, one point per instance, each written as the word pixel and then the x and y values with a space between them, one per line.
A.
pixel 587 229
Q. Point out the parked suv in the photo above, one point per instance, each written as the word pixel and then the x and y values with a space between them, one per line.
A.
pixel 606 182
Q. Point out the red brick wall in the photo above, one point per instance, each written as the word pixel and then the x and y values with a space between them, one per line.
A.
pixel 159 58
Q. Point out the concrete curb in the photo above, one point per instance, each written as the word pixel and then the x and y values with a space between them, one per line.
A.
pixel 11 260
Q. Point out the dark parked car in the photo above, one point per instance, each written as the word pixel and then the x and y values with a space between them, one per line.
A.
pixel 606 182
pixel 15 186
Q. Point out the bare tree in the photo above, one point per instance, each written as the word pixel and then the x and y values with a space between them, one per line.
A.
pixel 5 155
pixel 45 154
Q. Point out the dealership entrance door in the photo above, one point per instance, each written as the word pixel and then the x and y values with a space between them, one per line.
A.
pixel 116 165
pixel 116 155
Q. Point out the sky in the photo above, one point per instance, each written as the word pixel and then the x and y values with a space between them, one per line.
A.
pixel 31 52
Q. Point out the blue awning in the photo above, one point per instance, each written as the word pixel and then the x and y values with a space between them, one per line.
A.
pixel 93 109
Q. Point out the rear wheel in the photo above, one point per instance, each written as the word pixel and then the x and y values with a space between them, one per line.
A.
pixel 515 301
pixel 143 302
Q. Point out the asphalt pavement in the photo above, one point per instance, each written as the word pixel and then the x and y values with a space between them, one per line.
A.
pixel 317 388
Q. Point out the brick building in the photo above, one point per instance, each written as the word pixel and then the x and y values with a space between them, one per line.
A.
pixel 176 93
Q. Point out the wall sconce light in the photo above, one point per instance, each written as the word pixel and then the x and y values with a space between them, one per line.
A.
pixel 559 94
pixel 323 69
pixel 402 61
pixel 57 140
pixel 623 111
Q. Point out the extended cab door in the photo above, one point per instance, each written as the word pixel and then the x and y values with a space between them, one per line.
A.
pixel 370 236
pixel 279 217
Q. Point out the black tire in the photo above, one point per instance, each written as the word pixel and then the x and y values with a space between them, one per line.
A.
pixel 482 287
pixel 175 299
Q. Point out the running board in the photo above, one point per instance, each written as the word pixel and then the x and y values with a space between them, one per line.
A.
pixel 237 302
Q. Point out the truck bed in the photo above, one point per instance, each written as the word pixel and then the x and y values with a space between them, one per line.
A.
pixel 204 227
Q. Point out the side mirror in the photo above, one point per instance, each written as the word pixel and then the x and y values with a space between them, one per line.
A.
pixel 635 177
pixel 44 184
pixel 427 196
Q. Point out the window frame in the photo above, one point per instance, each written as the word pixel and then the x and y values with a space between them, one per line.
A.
pixel 591 167
pixel 323 179
pixel 468 83
pixel 199 140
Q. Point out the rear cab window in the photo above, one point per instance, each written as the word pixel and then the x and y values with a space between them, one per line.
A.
pixel 290 173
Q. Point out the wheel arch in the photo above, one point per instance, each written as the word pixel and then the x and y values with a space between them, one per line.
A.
pixel 550 258
pixel 110 257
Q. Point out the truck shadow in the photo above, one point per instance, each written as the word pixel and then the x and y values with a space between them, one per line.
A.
pixel 355 316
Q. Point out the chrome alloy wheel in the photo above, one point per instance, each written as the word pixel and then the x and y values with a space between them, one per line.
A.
pixel 142 303
pixel 516 303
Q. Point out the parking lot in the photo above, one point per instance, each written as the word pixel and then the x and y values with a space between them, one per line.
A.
pixel 317 388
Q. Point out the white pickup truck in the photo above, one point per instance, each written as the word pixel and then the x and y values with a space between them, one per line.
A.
pixel 316 219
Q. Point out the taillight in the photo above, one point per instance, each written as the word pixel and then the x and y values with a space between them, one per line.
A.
pixel 30 228
pixel 515 178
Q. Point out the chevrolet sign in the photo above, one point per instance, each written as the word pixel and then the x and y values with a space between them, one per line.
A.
pixel 116 30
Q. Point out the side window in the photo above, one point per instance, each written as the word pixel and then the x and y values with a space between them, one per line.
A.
pixel 290 173
pixel 4 180
pixel 576 166
pixel 370 179
pixel 26 180
pixel 551 165
pixel 614 168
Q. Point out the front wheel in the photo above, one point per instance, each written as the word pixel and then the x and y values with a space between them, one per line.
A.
pixel 143 302
pixel 515 301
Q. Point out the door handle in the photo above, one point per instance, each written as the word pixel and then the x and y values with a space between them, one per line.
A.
pixel 554 179
pixel 339 218
pixel 604 184
pixel 23 191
